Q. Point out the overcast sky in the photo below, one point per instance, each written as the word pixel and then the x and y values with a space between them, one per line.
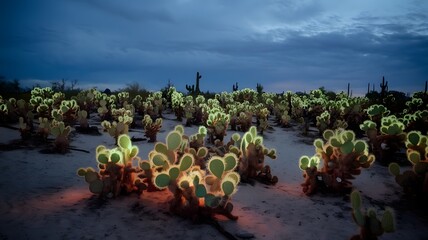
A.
pixel 295 45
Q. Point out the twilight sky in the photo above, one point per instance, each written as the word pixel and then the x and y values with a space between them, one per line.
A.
pixel 295 45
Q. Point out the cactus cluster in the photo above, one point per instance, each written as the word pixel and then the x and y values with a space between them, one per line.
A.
pixel 87 99
pixel 244 120
pixel 415 181
pixel 177 104
pixel 370 225
pixel 82 117
pixel 376 112
pixel 386 141
pixel 154 104
pixel 281 110
pixel 202 178
pixel 124 118
pixel 217 124
pixel 252 154
pixel 262 115
pixel 103 110
pixel 44 128
pixel 67 112
pixel 151 128
pixel 189 110
pixel 323 121
pixel 60 132
pixel 196 192
pixel 343 157
pixel 123 98
pixel 116 172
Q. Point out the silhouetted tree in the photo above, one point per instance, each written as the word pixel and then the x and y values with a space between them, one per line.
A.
pixel 58 86
pixel 107 91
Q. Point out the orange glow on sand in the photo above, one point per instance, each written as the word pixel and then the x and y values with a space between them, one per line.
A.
pixel 53 202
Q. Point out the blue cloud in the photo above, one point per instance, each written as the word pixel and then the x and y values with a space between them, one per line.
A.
pixel 295 44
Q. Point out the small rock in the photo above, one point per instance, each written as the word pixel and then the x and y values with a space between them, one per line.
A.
pixel 278 215
pixel 244 235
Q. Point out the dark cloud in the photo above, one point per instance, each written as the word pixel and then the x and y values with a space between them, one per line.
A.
pixel 291 44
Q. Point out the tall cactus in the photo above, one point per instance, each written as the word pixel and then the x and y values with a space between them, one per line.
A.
pixel 349 86
pixel 383 87
pixel 192 89
pixel 235 87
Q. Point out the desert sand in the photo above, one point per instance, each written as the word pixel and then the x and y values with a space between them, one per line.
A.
pixel 41 197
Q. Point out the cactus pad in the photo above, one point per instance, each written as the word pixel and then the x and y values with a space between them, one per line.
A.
pixel 200 190
pixel 161 180
pixel 388 222
pixel 96 186
pixel 231 162
pixel 394 169
pixel 124 141
pixel 228 187
pixel 173 140
pixel 216 167
pixel 145 165
pixel 186 162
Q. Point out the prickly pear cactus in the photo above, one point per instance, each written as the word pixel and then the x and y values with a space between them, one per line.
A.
pixel 222 168
pixel 262 119
pixel 82 117
pixel 60 132
pixel 198 140
pixel 151 128
pixel 376 112
pixel 24 129
pixel 44 128
pixel 116 172
pixel 67 111
pixel 342 155
pixel 103 110
pixel 252 153
pixel 217 124
pixel 244 121
pixel 197 194
pixel 310 166
pixel 323 121
pixel 96 186
pixel 163 156
pixel 386 141
pixel 177 104
pixel 370 226
pixel 117 128
pixel 415 181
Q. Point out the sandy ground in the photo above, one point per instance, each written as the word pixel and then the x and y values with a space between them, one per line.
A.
pixel 41 197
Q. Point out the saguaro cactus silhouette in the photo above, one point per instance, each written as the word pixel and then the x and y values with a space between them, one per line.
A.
pixel 383 87
pixel 192 88
pixel 235 87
